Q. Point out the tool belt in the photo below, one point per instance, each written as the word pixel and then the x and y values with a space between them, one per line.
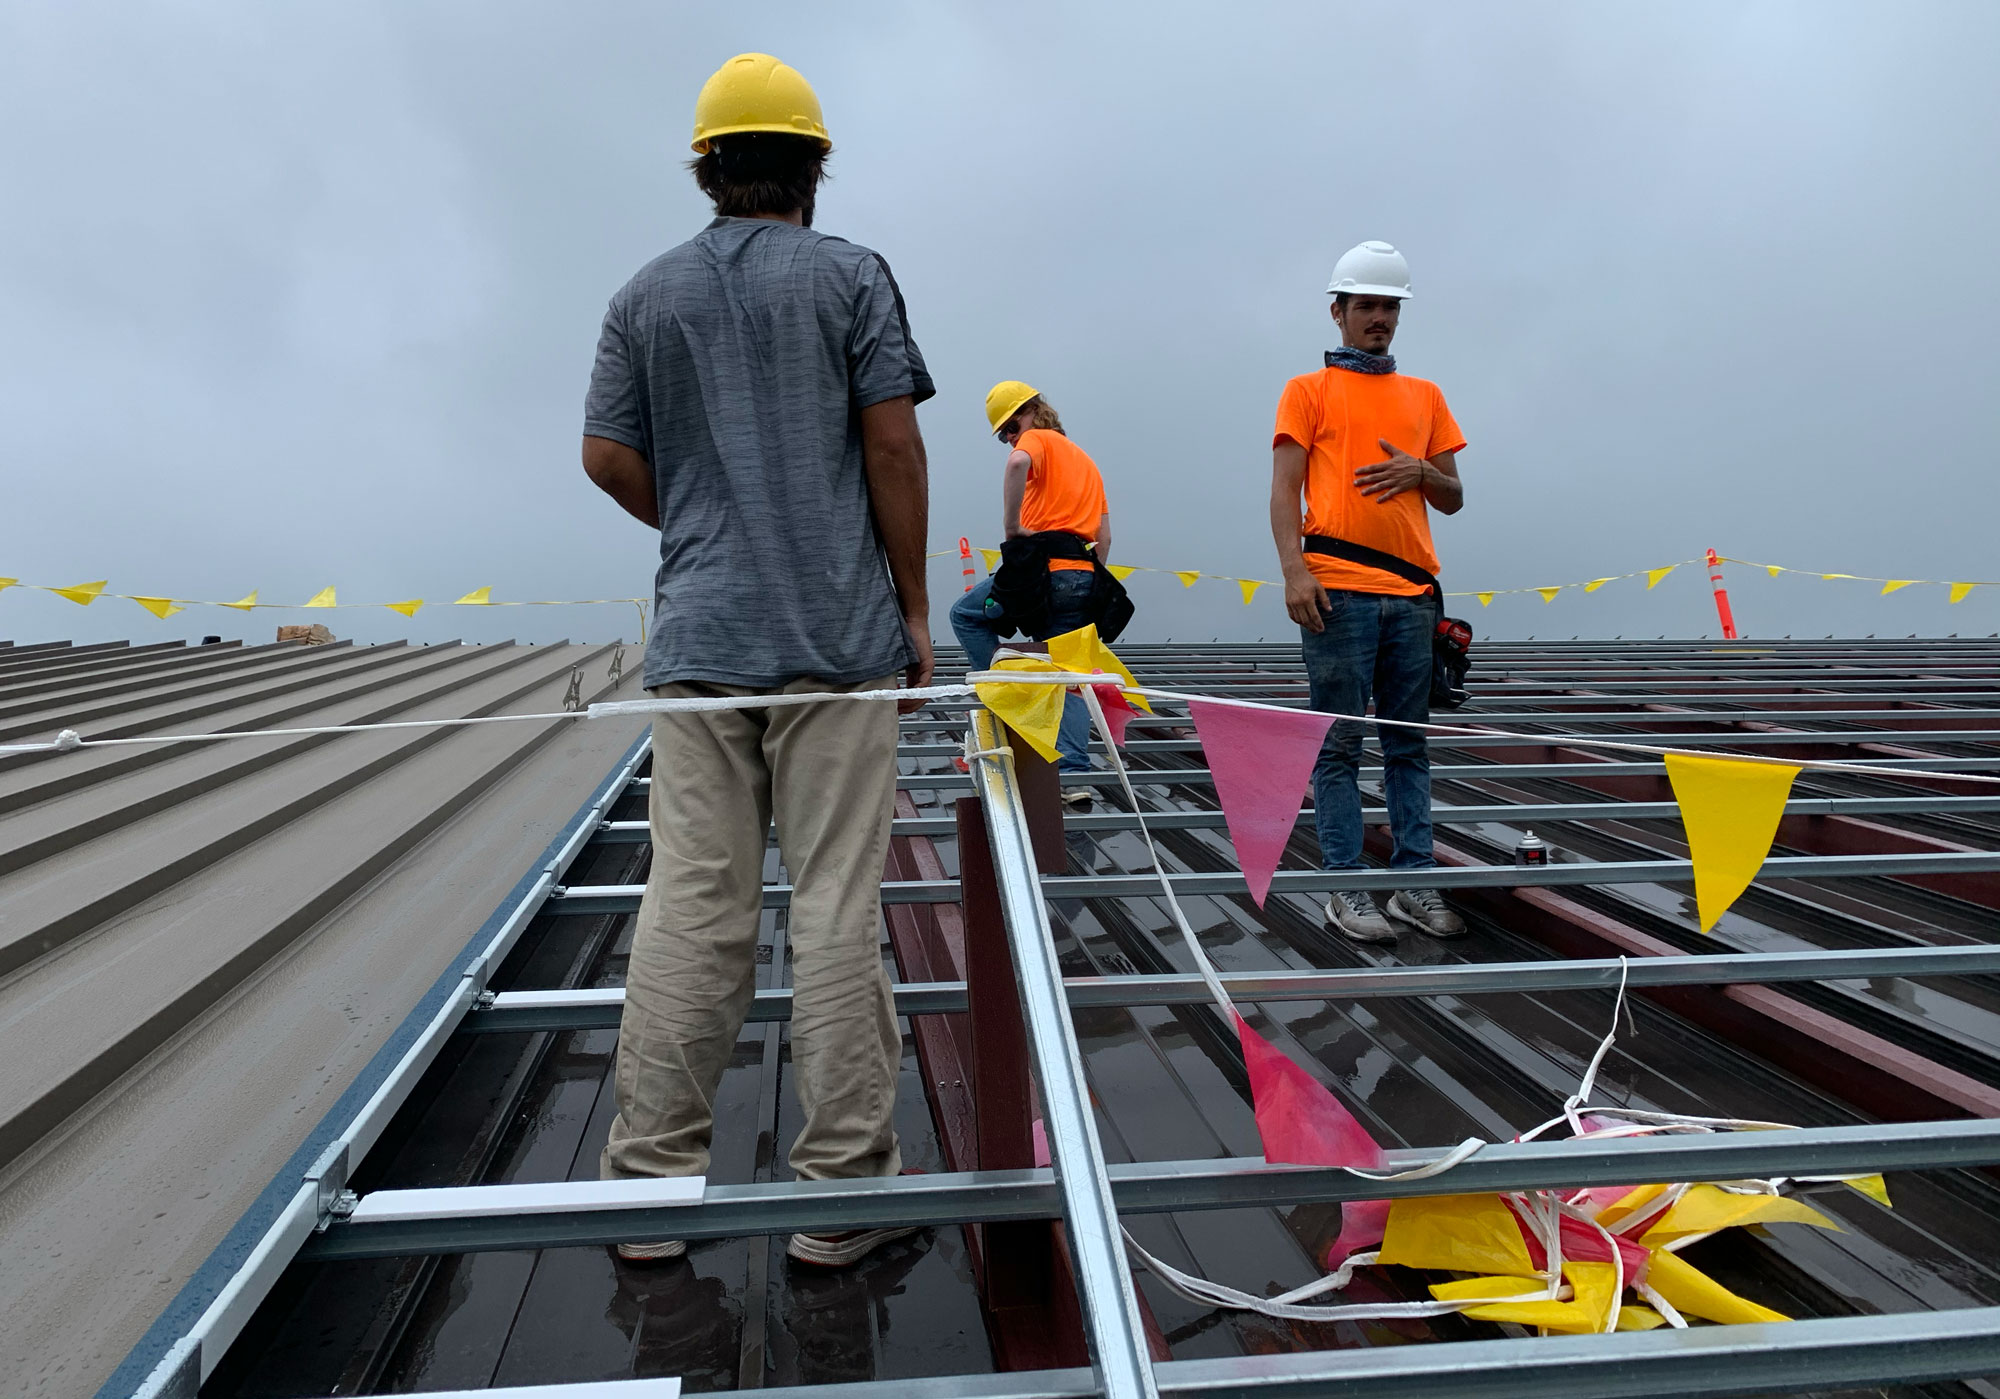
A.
pixel 1451 640
pixel 1021 586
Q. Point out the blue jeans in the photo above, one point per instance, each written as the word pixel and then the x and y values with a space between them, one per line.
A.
pixel 1381 645
pixel 1069 591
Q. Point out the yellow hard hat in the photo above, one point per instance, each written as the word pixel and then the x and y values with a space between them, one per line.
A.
pixel 1004 400
pixel 755 92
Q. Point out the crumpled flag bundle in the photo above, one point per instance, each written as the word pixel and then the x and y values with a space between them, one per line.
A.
pixel 1605 1248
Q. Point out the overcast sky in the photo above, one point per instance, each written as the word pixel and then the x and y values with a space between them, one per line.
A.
pixel 297 295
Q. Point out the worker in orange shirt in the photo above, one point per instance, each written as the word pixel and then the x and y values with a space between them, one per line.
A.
pixel 1370 451
pixel 1052 577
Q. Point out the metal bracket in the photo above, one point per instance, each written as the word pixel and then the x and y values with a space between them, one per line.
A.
pixel 618 665
pixel 573 697
pixel 329 1174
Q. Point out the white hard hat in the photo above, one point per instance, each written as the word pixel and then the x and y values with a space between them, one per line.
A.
pixel 1371 269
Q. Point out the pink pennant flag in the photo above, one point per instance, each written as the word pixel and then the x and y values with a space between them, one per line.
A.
pixel 1302 1124
pixel 1362 1225
pixel 1118 711
pixel 1262 760
pixel 1583 1244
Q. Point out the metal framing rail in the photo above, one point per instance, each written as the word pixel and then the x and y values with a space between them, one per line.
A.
pixel 322 1222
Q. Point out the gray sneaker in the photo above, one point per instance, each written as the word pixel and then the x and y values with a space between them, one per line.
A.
pixel 658 1252
pixel 1427 912
pixel 1354 913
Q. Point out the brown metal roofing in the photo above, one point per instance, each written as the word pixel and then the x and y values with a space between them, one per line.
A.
pixel 202 944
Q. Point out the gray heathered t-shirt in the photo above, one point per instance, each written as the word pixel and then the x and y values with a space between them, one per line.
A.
pixel 738 365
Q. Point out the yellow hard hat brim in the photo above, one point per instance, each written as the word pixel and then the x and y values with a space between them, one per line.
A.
pixel 818 133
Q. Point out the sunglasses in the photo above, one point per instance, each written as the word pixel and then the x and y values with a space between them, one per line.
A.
pixel 1009 431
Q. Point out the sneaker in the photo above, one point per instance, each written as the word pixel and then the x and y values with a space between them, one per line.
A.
pixel 1354 913
pixel 658 1252
pixel 1077 796
pixel 1427 912
pixel 839 1250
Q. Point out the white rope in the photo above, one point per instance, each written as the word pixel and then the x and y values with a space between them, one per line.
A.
pixel 1555 740
pixel 703 704
pixel 68 741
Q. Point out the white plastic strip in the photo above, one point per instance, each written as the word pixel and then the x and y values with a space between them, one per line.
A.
pixel 586 1389
pixel 550 1197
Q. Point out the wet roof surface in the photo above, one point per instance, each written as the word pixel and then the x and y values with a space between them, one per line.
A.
pixel 1166 1085
pixel 202 944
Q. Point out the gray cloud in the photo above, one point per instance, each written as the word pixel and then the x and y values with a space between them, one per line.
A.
pixel 296 296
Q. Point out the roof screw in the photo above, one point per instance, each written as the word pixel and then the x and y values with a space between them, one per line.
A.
pixel 486 1001
pixel 342 1205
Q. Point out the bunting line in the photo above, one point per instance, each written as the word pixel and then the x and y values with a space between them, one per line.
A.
pixel 1959 589
pixel 163 607
pixel 1071 678
pixel 69 739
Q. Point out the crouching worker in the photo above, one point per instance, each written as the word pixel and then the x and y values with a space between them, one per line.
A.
pixel 1052 576
pixel 754 400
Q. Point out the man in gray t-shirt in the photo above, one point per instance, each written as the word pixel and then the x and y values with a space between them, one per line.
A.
pixel 754 399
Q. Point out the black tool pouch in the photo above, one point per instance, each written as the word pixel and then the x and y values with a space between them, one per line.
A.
pixel 1451 640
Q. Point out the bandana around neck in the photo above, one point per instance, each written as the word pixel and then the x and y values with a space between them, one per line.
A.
pixel 1360 361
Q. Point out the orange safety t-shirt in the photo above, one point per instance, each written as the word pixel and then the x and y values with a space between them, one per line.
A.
pixel 1341 418
pixel 1064 490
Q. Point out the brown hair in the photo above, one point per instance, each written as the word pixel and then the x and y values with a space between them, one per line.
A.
pixel 1042 414
pixel 762 172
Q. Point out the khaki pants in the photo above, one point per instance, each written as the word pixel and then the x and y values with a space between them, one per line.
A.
pixel 827 773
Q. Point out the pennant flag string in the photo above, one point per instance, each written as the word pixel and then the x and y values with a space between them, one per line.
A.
pixel 163 607
pixel 1959 589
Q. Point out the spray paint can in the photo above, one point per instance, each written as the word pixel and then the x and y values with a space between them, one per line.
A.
pixel 1532 851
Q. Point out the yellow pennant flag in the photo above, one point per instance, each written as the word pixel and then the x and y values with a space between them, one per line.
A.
pixel 1896 585
pixel 1654 575
pixel 322 598
pixel 161 607
pixel 1693 1293
pixel 1594 584
pixel 992 557
pixel 1549 594
pixel 1730 808
pixel 478 597
pixel 1485 599
pixel 1958 590
pixel 6 583
pixel 1773 569
pixel 244 604
pixel 1836 575
pixel 1121 571
pixel 408 609
pixel 1083 651
pixel 1248 587
pixel 1188 578
pixel 83 594
pixel 1462 1233
pixel 1032 711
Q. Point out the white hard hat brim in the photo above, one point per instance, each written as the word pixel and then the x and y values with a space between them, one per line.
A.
pixel 1368 289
